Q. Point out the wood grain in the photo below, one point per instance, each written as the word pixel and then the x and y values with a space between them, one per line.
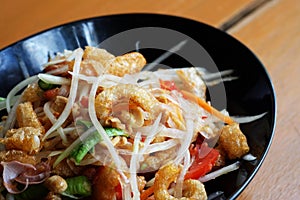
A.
pixel 19 18
pixel 273 34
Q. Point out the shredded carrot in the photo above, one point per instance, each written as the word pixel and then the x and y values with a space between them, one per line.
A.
pixel 146 193
pixel 207 107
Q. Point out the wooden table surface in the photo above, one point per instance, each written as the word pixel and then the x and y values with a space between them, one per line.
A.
pixel 270 28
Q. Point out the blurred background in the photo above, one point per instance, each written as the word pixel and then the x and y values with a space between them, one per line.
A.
pixel 21 18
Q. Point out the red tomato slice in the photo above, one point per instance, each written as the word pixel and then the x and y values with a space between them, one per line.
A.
pixel 118 189
pixel 51 94
pixel 205 159
pixel 168 85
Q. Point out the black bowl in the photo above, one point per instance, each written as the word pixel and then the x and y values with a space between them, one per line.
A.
pixel 202 45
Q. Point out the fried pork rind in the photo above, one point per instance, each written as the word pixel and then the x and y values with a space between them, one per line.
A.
pixel 17 155
pixel 129 63
pixel 32 93
pixel 192 82
pixel 26 117
pixel 100 55
pixel 104 184
pixel 109 64
pixel 59 104
pixel 193 189
pixel 233 141
pixel 26 139
pixel 131 96
pixel 163 178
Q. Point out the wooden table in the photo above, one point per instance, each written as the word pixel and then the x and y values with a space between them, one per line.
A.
pixel 270 28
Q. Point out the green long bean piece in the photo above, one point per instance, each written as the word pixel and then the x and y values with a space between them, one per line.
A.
pixel 78 187
pixel 46 86
pixel 88 144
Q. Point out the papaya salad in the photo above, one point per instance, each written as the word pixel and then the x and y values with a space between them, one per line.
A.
pixel 93 125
